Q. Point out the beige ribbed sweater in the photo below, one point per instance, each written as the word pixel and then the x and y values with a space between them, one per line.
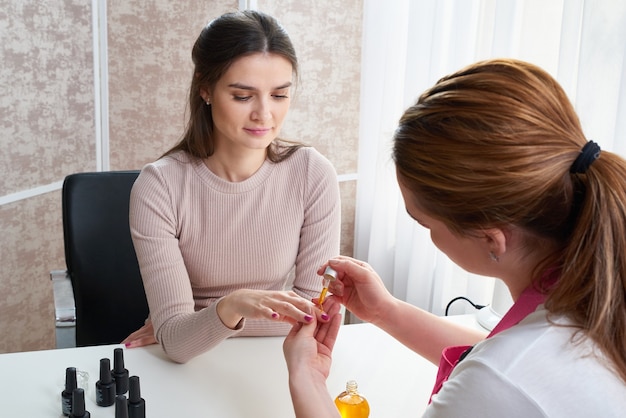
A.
pixel 199 237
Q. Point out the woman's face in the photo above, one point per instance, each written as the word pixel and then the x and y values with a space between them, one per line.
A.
pixel 468 252
pixel 249 103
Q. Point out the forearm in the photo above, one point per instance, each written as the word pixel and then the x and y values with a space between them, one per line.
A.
pixel 185 336
pixel 423 332
pixel 189 335
pixel 310 396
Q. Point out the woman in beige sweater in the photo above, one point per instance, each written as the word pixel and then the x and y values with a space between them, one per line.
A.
pixel 231 217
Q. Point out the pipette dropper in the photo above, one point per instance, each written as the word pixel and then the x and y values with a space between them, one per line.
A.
pixel 330 275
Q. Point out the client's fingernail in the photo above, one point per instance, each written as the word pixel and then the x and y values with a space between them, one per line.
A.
pixel 274 315
pixel 308 318
pixel 128 345
pixel 324 316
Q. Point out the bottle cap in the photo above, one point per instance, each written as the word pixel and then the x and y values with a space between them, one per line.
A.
pixel 330 274
pixel 118 360
pixel 105 371
pixel 119 372
pixel 351 385
pixel 78 403
pixel 135 390
pixel 70 379
pixel 121 406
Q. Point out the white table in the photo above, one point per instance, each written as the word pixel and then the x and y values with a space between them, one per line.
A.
pixel 241 377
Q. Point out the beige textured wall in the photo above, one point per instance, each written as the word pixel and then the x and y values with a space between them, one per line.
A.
pixel 47 126
pixel 149 73
pixel 46 131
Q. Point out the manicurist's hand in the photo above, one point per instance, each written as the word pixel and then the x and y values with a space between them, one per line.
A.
pixel 143 336
pixel 308 349
pixel 284 306
pixel 359 288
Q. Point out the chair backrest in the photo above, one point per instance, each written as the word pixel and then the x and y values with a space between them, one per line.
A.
pixel 100 257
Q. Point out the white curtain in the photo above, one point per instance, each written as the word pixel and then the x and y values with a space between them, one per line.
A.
pixel 407 47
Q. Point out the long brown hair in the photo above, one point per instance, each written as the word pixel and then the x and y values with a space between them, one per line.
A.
pixel 220 43
pixel 492 145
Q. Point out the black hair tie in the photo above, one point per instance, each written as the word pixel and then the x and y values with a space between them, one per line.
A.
pixel 589 153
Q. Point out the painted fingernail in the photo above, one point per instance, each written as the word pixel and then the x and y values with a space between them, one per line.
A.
pixel 324 316
pixel 128 345
pixel 308 318
pixel 274 315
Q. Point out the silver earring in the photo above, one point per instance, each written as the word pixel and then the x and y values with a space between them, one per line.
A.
pixel 208 103
pixel 493 256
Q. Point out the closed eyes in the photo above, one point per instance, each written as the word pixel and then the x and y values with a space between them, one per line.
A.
pixel 246 98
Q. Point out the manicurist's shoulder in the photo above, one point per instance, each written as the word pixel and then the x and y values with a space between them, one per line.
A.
pixel 539 363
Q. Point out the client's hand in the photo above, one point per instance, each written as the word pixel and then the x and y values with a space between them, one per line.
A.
pixel 277 305
pixel 143 336
pixel 308 349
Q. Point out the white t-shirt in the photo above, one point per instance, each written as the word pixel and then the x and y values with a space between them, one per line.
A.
pixel 534 369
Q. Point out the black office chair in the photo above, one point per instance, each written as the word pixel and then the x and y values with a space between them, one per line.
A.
pixel 102 268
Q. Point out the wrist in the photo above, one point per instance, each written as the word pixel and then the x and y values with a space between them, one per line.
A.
pixel 227 311
pixel 310 395
pixel 386 313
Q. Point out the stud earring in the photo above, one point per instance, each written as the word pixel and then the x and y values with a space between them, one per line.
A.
pixel 493 256
pixel 208 103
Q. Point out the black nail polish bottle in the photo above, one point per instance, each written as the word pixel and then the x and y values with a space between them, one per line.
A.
pixel 105 387
pixel 66 395
pixel 78 404
pixel 120 374
pixel 136 404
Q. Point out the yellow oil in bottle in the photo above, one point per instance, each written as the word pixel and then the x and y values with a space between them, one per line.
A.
pixel 351 404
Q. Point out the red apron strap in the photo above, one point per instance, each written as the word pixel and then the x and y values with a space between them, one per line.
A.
pixel 450 356
pixel 527 303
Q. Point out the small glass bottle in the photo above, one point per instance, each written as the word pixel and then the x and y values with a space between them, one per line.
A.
pixel 351 404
